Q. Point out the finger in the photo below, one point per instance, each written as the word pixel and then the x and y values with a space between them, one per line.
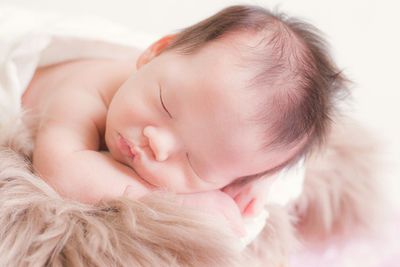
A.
pixel 243 199
pixel 255 206
pixel 232 190
pixel 235 220
pixel 238 226
pixel 249 209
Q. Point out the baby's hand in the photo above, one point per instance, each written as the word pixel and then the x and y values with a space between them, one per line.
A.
pixel 251 197
pixel 217 203
pixel 213 202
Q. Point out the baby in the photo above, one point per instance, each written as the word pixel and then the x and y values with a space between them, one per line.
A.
pixel 203 113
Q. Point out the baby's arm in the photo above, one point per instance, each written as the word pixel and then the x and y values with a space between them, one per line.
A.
pixel 68 162
pixel 215 203
pixel 66 157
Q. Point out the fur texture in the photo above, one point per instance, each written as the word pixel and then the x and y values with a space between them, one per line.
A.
pixel 39 228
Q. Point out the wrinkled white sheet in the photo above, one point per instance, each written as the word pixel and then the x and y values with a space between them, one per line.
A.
pixel 29 40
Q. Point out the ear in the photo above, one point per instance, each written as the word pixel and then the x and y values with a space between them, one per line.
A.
pixel 154 50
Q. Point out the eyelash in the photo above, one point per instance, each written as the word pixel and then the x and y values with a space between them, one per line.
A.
pixel 162 103
pixel 187 156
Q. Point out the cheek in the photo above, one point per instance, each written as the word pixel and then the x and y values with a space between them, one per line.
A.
pixel 122 110
pixel 138 107
pixel 175 175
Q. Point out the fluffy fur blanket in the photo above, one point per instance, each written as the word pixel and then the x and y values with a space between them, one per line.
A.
pixel 39 228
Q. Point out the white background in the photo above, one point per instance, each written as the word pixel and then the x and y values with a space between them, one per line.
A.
pixel 364 36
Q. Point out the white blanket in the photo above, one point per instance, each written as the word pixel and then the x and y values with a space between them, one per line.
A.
pixel 29 40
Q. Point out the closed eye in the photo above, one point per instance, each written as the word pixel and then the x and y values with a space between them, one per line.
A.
pixel 210 181
pixel 162 103
pixel 187 156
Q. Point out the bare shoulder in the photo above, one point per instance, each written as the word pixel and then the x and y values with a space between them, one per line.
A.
pixel 70 95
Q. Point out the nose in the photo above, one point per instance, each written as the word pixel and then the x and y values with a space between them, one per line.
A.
pixel 161 141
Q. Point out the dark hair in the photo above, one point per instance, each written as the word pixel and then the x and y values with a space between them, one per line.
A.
pixel 293 63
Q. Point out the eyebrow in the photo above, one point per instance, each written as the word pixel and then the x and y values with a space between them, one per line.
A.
pixel 162 103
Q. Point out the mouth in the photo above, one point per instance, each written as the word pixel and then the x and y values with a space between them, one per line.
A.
pixel 125 148
pixel 128 150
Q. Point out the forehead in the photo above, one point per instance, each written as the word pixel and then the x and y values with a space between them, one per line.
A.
pixel 216 76
pixel 214 106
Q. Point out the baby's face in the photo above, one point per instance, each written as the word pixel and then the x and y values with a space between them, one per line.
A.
pixel 182 122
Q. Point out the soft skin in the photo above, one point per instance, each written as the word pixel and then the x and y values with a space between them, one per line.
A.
pixel 184 119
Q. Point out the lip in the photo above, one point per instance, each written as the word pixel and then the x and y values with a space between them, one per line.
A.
pixel 125 147
pixel 127 150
